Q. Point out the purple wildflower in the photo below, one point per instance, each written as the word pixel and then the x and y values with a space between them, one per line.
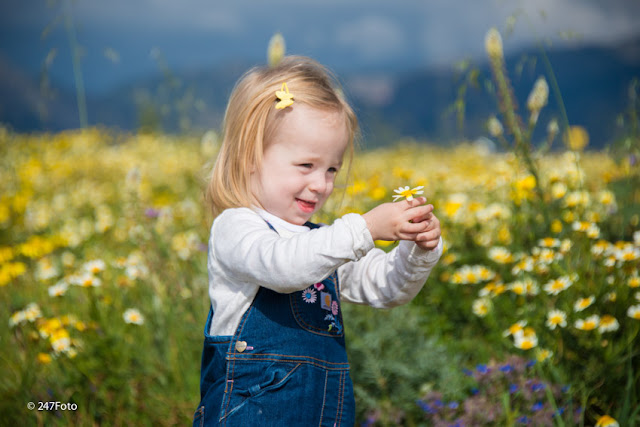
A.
pixel 483 369
pixel 425 407
pixel 506 368
pixel 537 387
pixel 152 212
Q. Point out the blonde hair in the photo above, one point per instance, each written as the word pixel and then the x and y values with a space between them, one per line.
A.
pixel 251 117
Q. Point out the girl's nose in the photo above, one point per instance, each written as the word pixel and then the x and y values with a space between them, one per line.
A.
pixel 318 183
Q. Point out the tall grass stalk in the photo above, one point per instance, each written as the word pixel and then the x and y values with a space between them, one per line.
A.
pixel 77 68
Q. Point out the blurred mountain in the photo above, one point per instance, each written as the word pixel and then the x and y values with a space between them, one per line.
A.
pixel 593 82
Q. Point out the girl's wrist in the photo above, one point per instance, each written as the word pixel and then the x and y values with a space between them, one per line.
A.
pixel 370 227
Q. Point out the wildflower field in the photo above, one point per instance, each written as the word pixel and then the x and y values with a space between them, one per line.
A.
pixel 526 319
pixel 532 316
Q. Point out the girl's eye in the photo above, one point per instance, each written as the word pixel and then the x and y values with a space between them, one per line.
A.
pixel 333 170
pixel 306 165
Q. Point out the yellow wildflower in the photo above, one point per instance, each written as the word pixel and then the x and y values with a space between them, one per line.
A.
pixel 556 318
pixel 86 280
pixel 600 247
pixel 518 287
pixel 10 271
pixel 500 255
pixel 448 259
pixel 634 312
pixel 608 323
pixel 555 286
pixel 588 324
pixel 44 358
pixel 558 190
pixel 593 232
pixel 504 234
pixel 94 266
pixel 37 247
pixel 357 187
pixel 6 254
pixel 607 421
pixel 407 193
pixel 581 226
pixel 402 173
pixel 549 242
pixel 607 198
pixel 378 193
pixel 515 328
pixel 60 340
pixel 628 253
pixel 481 307
pixel 576 138
pixel 133 316
pixel 47 327
pixel 633 281
pixel 523 188
pixel 583 303
pixel 525 339
pixel 576 199
pixel 543 354
pixel 59 289
pixel 454 203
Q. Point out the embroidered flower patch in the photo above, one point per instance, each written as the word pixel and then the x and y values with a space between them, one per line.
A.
pixel 309 295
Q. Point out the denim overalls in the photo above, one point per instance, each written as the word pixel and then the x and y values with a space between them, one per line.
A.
pixel 286 364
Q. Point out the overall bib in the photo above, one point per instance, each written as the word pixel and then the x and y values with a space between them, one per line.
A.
pixel 286 364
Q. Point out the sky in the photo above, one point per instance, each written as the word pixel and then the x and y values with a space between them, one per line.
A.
pixel 122 39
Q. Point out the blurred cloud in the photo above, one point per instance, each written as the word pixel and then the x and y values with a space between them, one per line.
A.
pixel 372 36
pixel 344 34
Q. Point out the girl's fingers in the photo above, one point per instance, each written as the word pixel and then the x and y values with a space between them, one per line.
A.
pixel 422 218
pixel 432 235
pixel 408 236
pixel 417 201
pixel 414 228
pixel 429 245
pixel 418 212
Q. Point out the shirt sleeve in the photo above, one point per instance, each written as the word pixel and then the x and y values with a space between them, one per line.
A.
pixel 390 279
pixel 243 247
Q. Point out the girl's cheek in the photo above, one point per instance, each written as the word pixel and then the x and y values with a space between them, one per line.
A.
pixel 329 188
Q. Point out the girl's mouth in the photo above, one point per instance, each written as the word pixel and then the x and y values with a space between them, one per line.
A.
pixel 305 206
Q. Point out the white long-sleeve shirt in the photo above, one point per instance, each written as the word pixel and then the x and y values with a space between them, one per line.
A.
pixel 244 254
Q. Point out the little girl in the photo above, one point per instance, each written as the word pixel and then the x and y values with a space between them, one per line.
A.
pixel 274 349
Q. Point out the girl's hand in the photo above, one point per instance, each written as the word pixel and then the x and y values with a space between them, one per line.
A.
pixel 390 221
pixel 429 238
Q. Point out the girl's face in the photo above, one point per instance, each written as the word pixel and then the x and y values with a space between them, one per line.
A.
pixel 300 162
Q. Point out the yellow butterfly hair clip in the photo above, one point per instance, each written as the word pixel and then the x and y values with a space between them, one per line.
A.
pixel 285 97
